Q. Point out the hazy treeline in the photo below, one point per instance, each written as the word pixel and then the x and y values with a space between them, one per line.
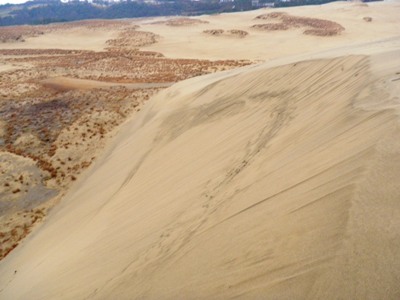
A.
pixel 45 11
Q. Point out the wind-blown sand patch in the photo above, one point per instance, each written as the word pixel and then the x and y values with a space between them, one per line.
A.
pixel 312 26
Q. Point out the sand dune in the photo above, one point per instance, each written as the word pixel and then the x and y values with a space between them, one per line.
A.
pixel 273 181
pixel 281 186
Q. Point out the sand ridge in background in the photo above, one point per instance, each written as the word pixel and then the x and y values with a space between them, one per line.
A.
pixel 277 180
pixel 191 42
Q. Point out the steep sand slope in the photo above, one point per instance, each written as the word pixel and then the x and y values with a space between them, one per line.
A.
pixel 270 182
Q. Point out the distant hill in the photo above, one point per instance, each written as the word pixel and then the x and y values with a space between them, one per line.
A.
pixel 44 12
pixel 49 11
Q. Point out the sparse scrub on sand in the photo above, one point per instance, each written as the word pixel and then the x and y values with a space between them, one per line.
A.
pixel 229 33
pixel 15 228
pixel 131 39
pixel 177 22
pixel 272 26
pixel 238 32
pixel 215 32
pixel 312 26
